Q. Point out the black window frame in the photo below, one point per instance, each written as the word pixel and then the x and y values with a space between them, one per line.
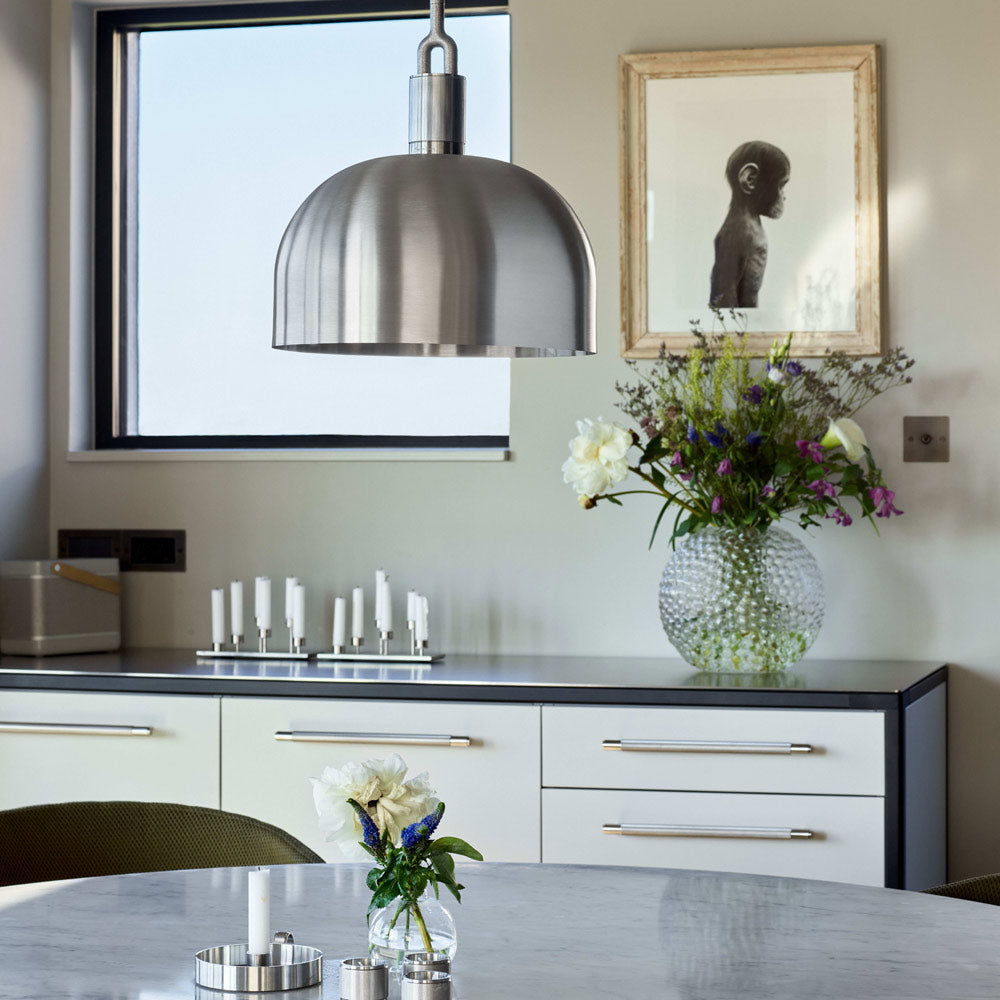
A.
pixel 115 29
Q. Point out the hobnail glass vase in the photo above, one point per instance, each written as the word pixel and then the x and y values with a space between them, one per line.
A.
pixel 390 936
pixel 741 599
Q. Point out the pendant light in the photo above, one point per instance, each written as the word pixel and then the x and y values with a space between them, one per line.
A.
pixel 435 253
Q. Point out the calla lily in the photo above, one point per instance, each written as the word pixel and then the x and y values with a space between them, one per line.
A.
pixel 848 434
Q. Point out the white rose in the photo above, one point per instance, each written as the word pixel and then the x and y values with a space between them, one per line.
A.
pixel 597 457
pixel 377 785
pixel 849 435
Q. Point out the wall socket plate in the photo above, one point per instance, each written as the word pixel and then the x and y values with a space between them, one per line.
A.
pixel 926 439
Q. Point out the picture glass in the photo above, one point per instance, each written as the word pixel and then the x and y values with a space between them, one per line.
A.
pixel 803 260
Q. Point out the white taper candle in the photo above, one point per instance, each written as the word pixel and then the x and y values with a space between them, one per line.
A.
pixel 339 621
pixel 379 581
pixel 299 612
pixel 411 605
pixel 218 616
pixel 420 632
pixel 236 606
pixel 259 912
pixel 291 582
pixel 264 603
pixel 386 607
pixel 357 613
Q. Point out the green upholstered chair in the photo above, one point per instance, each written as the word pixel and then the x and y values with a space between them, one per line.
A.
pixel 79 839
pixel 981 889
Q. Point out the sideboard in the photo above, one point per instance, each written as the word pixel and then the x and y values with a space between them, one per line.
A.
pixel 835 770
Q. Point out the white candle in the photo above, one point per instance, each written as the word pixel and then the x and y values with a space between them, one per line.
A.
pixel 259 912
pixel 420 632
pixel 411 605
pixel 299 612
pixel 339 621
pixel 236 606
pixel 357 613
pixel 262 611
pixel 291 582
pixel 386 607
pixel 379 580
pixel 218 616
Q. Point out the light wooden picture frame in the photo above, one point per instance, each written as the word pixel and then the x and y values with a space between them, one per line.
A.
pixel 693 223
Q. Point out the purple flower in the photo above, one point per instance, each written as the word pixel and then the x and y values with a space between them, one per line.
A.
pixel 822 488
pixel 725 468
pixel 716 505
pixel 648 424
pixel 677 460
pixel 841 517
pixel 754 439
pixel 755 394
pixel 686 476
pixel 810 449
pixel 692 434
pixel 717 439
pixel 793 368
pixel 880 495
pixel 767 491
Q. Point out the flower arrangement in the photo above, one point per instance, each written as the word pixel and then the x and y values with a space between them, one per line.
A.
pixel 735 443
pixel 370 809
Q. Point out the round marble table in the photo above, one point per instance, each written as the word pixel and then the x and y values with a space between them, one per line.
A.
pixel 548 931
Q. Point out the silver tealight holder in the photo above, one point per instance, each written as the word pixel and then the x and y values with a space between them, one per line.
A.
pixel 230 967
pixel 363 979
pixel 427 985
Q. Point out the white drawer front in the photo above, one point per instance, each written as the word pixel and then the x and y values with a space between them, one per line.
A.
pixel 70 746
pixel 714 832
pixel 683 749
pixel 491 787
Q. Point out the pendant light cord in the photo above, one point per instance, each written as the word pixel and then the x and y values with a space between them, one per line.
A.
pixel 437 38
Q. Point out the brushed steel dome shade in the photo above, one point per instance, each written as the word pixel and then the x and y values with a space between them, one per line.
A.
pixel 435 255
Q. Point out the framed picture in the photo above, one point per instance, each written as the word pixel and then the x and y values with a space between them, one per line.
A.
pixel 750 181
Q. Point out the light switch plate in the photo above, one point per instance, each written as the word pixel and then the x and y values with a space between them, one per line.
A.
pixel 926 439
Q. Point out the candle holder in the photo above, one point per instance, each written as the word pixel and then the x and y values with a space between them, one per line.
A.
pixel 429 985
pixel 230 967
pixel 363 979
pixel 262 637
pixel 237 639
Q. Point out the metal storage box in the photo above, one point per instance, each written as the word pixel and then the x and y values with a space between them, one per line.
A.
pixel 50 606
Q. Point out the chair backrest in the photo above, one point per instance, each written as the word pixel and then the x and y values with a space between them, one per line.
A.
pixel 979 889
pixel 79 839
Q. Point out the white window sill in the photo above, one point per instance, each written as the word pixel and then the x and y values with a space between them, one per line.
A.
pixel 341 455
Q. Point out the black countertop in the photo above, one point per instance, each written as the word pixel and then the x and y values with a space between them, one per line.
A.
pixel 869 684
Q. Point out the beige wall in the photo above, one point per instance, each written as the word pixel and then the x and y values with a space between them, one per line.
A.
pixel 24 126
pixel 510 562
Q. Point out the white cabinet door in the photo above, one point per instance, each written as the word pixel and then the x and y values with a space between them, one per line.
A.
pixel 490 787
pixel 60 746
pixel 718 832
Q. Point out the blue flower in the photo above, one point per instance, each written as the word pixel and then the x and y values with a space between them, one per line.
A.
pixel 754 439
pixel 718 439
pixel 417 833
pixel 371 834
pixel 755 394
pixel 793 368
pixel 692 434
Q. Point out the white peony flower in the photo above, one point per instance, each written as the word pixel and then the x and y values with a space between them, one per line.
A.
pixel 377 785
pixel 849 435
pixel 597 457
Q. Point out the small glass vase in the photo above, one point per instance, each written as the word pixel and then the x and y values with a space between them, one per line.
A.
pixel 391 934
pixel 741 599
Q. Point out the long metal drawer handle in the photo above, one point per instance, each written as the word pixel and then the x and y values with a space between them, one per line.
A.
pixel 74 729
pixel 391 739
pixel 680 830
pixel 709 746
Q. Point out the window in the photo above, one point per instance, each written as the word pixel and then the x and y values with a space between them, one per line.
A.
pixel 213 124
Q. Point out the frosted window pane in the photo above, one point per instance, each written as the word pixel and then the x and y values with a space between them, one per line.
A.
pixel 236 127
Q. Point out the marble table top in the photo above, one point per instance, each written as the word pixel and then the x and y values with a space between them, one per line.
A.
pixel 548 931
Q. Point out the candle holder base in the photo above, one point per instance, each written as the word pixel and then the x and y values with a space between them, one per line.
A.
pixel 249 654
pixel 382 657
pixel 227 967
